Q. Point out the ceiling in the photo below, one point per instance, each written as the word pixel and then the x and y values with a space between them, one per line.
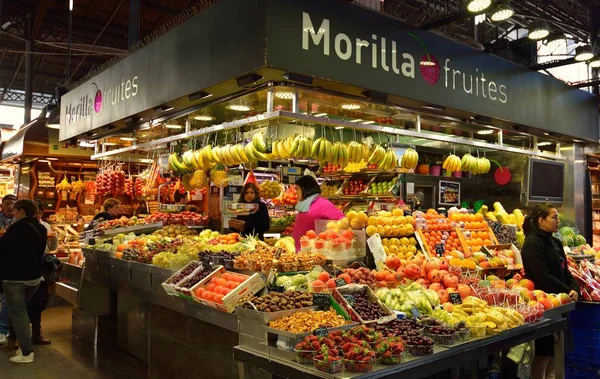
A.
pixel 100 32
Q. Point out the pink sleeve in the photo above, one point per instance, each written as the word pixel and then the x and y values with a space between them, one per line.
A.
pixel 330 211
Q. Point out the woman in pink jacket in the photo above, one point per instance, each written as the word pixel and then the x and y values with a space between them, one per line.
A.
pixel 311 207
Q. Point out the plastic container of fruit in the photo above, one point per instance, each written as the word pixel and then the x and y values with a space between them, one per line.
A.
pixel 391 360
pixel 462 335
pixel 330 367
pixel 478 331
pixel 305 356
pixel 443 339
pixel 359 366
pixel 419 350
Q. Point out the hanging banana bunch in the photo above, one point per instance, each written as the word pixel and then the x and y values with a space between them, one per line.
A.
pixel 410 158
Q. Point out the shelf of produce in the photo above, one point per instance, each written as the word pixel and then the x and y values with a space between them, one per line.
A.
pixel 359 174
pixel 442 360
pixel 136 229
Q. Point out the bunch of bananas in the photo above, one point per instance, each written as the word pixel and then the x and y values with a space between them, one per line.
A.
pixel 389 161
pixel 468 162
pixel 322 150
pixel 282 147
pixel 176 165
pixel 301 147
pixel 339 154
pixel 357 151
pixel 377 155
pixel 452 163
pixel 409 159
pixel 482 166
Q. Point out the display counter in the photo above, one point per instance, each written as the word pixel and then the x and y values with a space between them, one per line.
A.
pixel 172 335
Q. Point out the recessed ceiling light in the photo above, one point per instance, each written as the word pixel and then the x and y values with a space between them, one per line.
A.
pixel 368 122
pixel 86 144
pixel 485 132
pixel 203 118
pixel 127 138
pixel 356 120
pixel 544 143
pixel 286 95
pixel 164 108
pixel 109 144
pixel 51 159
pixel 43 161
pixel 476 6
pixel 350 106
pixel 320 114
pixel 433 107
pixel 239 107
pixel 546 134
pixel 173 126
pixel 538 30
pixel 339 127
pixel 578 140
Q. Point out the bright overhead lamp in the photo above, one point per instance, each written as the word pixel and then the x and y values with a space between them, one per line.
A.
pixel 200 95
pixel 86 144
pixel 556 40
pixel 350 106
pixel 163 108
pixel 477 6
pixel 202 117
pixel 538 30
pixel 320 114
pixel 173 126
pixel 43 161
pixel 433 107
pixel 285 95
pixel 368 122
pixel 503 11
pixel 239 107
pixel 53 126
pixel 427 63
pixel 339 127
pixel 594 63
pixel 578 140
pixel 357 120
pixel 109 144
pixel 583 53
pixel 51 159
pixel 485 132
pixel 544 143
pixel 127 138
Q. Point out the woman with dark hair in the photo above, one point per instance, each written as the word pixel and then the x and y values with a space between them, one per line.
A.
pixel 256 223
pixel 311 206
pixel 545 264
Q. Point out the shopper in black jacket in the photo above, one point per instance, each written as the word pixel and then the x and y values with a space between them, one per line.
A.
pixel 21 252
pixel 545 264
pixel 254 224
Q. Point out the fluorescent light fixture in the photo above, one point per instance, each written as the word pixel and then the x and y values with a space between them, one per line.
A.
pixel 173 126
pixel 356 120
pixel 433 107
pixel 297 77
pixel 583 53
pixel 53 126
pixel 86 144
pixel 339 127
pixel 248 79
pixel 239 107
pixel 546 134
pixel 555 41
pixel 350 106
pixel 485 132
pixel 71 5
pixel 368 122
pixel 146 160
pixel 51 159
pixel 163 108
pixel 285 95
pixel 200 95
pixel 427 63
pixel 127 139
pixel 476 6
pixel 320 114
pixel 578 140
pixel 594 63
pixel 203 117
pixel 544 143
pixel 503 11
pixel 538 30
pixel 109 144
pixel 43 161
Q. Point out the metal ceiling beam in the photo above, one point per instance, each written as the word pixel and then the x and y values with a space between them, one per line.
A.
pixel 553 64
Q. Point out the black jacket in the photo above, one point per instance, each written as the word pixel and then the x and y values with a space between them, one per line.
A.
pixel 257 223
pixel 105 216
pixel 22 250
pixel 545 263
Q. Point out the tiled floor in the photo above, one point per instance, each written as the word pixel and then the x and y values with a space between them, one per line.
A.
pixel 71 358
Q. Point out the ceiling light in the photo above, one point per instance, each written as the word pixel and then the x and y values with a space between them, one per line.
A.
pixel 173 126
pixel 546 134
pixel 556 40
pixel 86 144
pixel 339 127
pixel 476 6
pixel 544 143
pixel 350 106
pixel 538 30
pixel 239 107
pixel 51 159
pixel 485 132
pixel 199 96
pixel 203 118
pixel 368 122
pixel 164 108
pixel 320 114
pixel 127 138
pixel 433 107
pixel 484 119
pixel 109 144
pixel 594 63
pixel 503 11
pixel 53 126
pixel 43 161
pixel 427 63
pixel 285 95
pixel 376 95
pixel 248 79
pixel 583 53
pixel 578 140
pixel 357 120
pixel 298 78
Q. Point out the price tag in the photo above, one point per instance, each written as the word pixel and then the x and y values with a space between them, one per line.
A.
pixel 443 212
pixel 321 299
pixel 340 282
pixel 396 188
pixel 350 299
pixel 277 289
pixel 407 212
pixel 455 298
pixel 415 312
pixel 269 144
pixel 320 332
pixel 439 250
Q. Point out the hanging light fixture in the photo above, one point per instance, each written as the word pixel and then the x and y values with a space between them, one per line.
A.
pixel 503 11
pixel 538 30
pixel 594 63
pixel 477 6
pixel 583 53
pixel 556 40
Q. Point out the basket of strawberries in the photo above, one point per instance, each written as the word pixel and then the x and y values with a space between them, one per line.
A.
pixel 389 351
pixel 358 357
pixel 311 346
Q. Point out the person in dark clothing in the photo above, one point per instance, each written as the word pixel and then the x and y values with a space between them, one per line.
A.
pixel 545 264
pixel 253 224
pixel 22 248
pixel 111 211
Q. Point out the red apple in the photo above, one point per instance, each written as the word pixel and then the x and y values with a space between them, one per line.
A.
pixel 564 298
pixel 331 283
pixel 527 284
pixel 527 295
pixel 450 281
pixel 539 294
pixel 546 303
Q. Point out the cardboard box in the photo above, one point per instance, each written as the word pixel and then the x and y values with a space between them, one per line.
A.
pixel 169 285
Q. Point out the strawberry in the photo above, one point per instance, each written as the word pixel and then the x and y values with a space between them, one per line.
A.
pixel 315 345
pixel 359 358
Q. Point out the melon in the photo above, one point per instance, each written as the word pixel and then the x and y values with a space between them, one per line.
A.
pixel 566 231
pixel 568 241
pixel 579 240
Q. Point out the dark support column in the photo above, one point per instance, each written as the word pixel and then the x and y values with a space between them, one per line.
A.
pixel 134 22
pixel 28 71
